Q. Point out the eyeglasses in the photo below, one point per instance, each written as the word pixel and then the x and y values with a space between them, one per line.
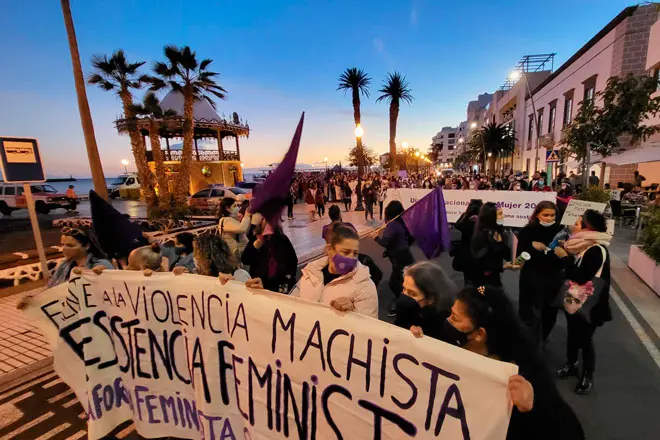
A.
pixel 75 232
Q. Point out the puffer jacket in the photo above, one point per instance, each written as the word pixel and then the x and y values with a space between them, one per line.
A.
pixel 356 285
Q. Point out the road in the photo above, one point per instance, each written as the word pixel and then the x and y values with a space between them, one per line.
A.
pixel 624 404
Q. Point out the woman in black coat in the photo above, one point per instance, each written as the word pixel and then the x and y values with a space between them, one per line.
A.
pixel 489 249
pixel 272 258
pixel 461 252
pixel 428 294
pixel 588 244
pixel 540 277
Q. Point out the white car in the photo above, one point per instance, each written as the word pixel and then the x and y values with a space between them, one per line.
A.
pixel 208 199
pixel 46 198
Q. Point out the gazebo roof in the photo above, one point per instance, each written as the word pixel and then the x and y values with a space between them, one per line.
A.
pixel 207 121
pixel 201 109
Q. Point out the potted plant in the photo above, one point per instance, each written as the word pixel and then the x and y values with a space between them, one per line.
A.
pixel 644 257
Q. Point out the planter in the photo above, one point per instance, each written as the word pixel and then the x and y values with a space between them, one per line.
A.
pixel 645 267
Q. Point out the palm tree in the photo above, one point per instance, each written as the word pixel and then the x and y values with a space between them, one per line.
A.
pixel 83 106
pixel 494 140
pixel 395 89
pixel 151 108
pixel 116 74
pixel 183 73
pixel 357 81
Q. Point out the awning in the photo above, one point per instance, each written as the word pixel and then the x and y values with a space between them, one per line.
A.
pixel 649 152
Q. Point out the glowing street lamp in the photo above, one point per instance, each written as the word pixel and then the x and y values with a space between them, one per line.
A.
pixel 404 145
pixel 242 165
pixel 359 131
pixel 473 126
pixel 325 159
pixel 461 140
pixel 125 163
pixel 490 154
pixel 416 153
pixel 514 75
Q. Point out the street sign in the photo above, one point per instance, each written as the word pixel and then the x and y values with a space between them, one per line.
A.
pixel 20 160
pixel 552 156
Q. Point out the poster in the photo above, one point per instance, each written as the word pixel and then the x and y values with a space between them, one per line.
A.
pixel 19 152
pixel 518 206
pixel 187 357
pixel 576 208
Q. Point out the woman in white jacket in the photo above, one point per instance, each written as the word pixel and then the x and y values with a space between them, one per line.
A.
pixel 231 230
pixel 339 279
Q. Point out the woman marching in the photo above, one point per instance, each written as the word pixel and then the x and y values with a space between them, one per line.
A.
pixel 461 252
pixel 489 248
pixel 540 277
pixel 588 245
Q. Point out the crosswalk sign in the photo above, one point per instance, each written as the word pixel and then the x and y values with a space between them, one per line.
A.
pixel 552 156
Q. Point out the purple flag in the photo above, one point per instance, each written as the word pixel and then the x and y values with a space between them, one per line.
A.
pixel 270 197
pixel 427 222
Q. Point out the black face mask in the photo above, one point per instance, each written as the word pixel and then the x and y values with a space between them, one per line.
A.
pixel 179 250
pixel 406 306
pixel 452 335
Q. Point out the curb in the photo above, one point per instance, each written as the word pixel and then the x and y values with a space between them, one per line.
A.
pixel 24 371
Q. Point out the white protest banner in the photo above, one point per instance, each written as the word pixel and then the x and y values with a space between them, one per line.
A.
pixel 577 207
pixel 188 357
pixel 518 206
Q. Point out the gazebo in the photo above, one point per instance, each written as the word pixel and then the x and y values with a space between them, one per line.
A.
pixel 219 165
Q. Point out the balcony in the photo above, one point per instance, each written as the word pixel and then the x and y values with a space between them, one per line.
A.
pixel 200 156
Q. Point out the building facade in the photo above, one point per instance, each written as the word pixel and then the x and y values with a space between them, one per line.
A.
pixel 447 142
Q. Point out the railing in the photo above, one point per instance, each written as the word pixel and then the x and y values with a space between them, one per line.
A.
pixel 202 155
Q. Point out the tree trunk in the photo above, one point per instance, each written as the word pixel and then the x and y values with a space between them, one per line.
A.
pixel 159 159
pixel 182 186
pixel 394 116
pixel 360 156
pixel 139 152
pixel 83 106
pixel 491 164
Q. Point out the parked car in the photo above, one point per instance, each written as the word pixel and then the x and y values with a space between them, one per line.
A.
pixel 209 199
pixel 248 186
pixel 45 198
pixel 124 182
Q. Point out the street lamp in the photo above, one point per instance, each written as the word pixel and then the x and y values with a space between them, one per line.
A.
pixel 325 159
pixel 416 153
pixel 404 145
pixel 473 126
pixel 515 76
pixel 125 163
pixel 359 132
pixel 242 165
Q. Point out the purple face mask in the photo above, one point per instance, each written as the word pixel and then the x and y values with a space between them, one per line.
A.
pixel 343 265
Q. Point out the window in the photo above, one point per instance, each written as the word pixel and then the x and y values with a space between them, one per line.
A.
pixel 530 127
pixel 10 190
pixel 202 194
pixel 551 117
pixel 218 193
pixel 539 123
pixel 451 135
pixel 527 167
pixel 568 109
pixel 589 88
pixel 19 190
pixel 130 181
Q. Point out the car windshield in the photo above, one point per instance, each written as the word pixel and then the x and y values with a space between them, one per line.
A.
pixel 238 190
pixel 42 189
pixel 120 180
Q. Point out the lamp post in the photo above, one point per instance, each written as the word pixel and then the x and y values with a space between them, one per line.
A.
pixel 473 126
pixel 359 132
pixel 515 76
pixel 325 159
pixel 125 163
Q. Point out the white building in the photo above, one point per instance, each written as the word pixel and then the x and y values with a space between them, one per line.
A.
pixel 447 141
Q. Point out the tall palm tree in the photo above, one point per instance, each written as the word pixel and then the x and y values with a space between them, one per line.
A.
pixel 83 106
pixel 357 81
pixel 494 140
pixel 116 74
pixel 151 108
pixel 183 73
pixel 395 89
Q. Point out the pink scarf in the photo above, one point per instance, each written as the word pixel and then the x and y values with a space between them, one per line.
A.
pixel 583 240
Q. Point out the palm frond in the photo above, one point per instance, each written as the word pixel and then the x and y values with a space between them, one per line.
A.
pixel 204 64
pixel 395 88
pixel 354 79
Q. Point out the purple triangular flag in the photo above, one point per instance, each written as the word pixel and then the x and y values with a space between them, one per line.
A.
pixel 270 197
pixel 427 222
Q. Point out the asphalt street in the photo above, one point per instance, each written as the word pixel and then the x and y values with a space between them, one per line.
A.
pixel 624 404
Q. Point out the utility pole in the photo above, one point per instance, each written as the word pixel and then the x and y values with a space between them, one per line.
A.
pixel 83 106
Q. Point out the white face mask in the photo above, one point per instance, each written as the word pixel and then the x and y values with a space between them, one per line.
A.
pixel 546 224
pixel 500 222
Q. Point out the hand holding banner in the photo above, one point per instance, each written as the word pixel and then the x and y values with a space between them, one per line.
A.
pixel 185 356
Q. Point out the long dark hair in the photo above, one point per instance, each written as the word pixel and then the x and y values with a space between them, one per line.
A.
pixel 472 209
pixel 487 220
pixel 393 210
pixel 213 256
pixel 506 337
pixel 85 237
pixel 225 206
pixel 434 283
pixel 186 240
pixel 545 204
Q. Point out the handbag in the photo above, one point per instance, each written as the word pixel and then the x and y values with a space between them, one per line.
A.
pixel 580 299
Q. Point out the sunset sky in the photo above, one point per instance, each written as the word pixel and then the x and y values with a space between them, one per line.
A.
pixel 276 59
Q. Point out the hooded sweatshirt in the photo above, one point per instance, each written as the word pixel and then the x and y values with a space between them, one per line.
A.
pixel 356 285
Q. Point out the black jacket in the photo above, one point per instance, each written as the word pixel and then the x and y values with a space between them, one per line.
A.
pixel 278 247
pixel 591 262
pixel 542 264
pixel 429 318
pixel 461 251
pixel 489 254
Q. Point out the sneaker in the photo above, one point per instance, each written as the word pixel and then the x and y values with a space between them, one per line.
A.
pixel 567 370
pixel 585 385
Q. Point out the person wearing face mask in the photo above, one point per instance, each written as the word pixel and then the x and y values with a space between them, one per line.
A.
pixel 541 186
pixel 489 247
pixel 231 230
pixel 272 258
pixel 483 321
pixel 462 261
pixel 587 245
pixel 540 277
pixel 181 254
pixel 428 294
pixel 339 279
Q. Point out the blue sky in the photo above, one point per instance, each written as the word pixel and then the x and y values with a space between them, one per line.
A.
pixel 278 58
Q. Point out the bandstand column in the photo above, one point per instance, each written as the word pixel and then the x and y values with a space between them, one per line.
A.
pixel 221 150
pixel 238 149
pixel 167 144
pixel 196 150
